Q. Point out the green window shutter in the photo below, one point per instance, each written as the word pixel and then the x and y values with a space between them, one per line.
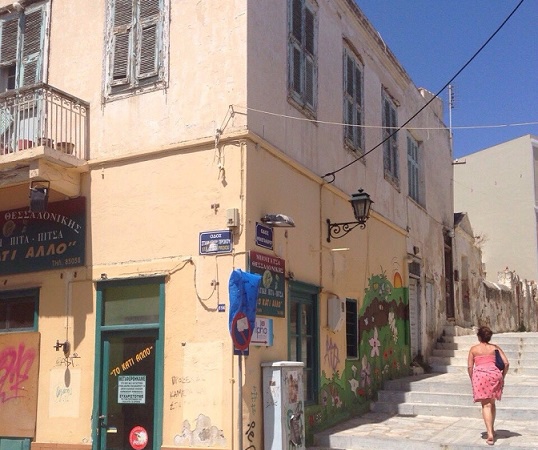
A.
pixel 9 38
pixel 122 38
pixel 32 47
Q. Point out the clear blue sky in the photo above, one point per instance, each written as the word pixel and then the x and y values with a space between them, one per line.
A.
pixel 433 39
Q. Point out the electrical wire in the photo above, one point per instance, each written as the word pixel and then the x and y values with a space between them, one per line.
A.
pixel 333 173
pixel 377 127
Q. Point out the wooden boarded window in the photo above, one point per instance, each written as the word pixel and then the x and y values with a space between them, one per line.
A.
pixel 135 44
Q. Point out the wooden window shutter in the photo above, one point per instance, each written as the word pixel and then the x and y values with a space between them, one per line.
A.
pixel 297 20
pixel 9 37
pixel 123 29
pixel 149 8
pixel 148 52
pixel 309 31
pixel 32 47
pixel 148 42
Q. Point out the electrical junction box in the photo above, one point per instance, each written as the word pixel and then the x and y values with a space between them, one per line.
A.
pixel 336 313
pixel 232 217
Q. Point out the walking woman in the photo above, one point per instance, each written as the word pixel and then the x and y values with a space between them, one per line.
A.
pixel 487 380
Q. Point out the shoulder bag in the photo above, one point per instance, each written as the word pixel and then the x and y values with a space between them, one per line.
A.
pixel 498 360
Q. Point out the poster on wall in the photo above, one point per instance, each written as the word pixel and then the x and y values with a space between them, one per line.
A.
pixel 44 240
pixel 271 292
pixel 19 363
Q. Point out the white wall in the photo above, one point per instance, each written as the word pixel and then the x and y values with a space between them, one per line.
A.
pixel 496 186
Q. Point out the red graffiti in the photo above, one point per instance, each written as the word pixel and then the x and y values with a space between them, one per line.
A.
pixel 15 364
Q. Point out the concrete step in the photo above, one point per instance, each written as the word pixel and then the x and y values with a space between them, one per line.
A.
pixel 446 410
pixel 442 368
pixel 511 352
pixel 450 394
pixel 454 399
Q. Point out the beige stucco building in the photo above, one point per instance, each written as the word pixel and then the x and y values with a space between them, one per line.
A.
pixel 163 134
pixel 497 187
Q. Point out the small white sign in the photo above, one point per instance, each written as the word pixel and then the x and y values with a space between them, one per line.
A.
pixel 132 389
pixel 263 332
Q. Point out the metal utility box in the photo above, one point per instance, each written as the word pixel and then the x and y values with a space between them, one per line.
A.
pixel 283 400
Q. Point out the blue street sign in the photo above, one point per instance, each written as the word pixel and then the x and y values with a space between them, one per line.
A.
pixel 264 236
pixel 213 242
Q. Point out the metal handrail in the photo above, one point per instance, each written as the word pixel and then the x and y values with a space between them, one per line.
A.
pixel 42 115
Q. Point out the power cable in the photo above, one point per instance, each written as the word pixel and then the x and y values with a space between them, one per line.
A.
pixel 340 124
pixel 333 173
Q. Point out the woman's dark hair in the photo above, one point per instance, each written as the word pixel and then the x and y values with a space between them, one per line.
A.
pixel 484 334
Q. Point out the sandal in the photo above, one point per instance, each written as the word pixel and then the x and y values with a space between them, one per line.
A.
pixel 490 441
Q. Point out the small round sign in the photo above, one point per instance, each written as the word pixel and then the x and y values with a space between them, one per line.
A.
pixel 241 331
pixel 138 438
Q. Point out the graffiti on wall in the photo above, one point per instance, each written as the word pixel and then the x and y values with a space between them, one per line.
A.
pixel 332 354
pixel 383 349
pixel 19 361
pixel 250 436
pixel 15 365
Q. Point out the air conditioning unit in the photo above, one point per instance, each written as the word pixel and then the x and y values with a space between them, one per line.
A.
pixel 336 313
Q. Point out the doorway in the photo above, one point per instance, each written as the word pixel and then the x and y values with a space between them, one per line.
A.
pixel 415 319
pixel 449 277
pixel 129 360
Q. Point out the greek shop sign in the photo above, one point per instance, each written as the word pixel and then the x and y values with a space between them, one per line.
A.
pixel 47 240
pixel 271 291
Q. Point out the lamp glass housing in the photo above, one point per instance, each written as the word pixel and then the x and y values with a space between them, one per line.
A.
pixel 361 202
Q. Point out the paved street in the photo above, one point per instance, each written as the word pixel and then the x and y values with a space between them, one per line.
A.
pixel 436 411
pixel 382 431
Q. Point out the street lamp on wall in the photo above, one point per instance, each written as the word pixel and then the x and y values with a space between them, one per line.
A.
pixel 361 202
pixel 39 195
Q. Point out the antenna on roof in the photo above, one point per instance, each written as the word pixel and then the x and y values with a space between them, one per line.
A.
pixel 451 98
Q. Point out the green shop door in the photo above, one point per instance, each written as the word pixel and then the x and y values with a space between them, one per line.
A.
pixel 126 419
pixel 128 392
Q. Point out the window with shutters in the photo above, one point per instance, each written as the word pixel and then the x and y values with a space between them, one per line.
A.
pixel 135 45
pixel 302 47
pixel 22 44
pixel 414 170
pixel 353 101
pixel 390 140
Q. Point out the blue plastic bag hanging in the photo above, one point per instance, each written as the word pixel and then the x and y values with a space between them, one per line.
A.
pixel 243 289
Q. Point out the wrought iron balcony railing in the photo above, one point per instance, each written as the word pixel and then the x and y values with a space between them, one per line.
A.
pixel 42 115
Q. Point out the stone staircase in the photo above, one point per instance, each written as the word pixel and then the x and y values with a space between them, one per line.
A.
pixel 447 390
pixel 436 409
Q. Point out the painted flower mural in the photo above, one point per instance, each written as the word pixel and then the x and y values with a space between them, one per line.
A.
pixel 382 350
pixel 375 344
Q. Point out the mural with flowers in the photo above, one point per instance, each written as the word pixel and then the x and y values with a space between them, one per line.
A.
pixel 383 351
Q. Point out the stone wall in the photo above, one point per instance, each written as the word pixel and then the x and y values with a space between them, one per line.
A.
pixel 509 305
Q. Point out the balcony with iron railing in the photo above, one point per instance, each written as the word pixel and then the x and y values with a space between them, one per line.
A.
pixel 42 127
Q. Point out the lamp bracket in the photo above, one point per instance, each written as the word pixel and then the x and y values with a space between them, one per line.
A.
pixel 339 230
